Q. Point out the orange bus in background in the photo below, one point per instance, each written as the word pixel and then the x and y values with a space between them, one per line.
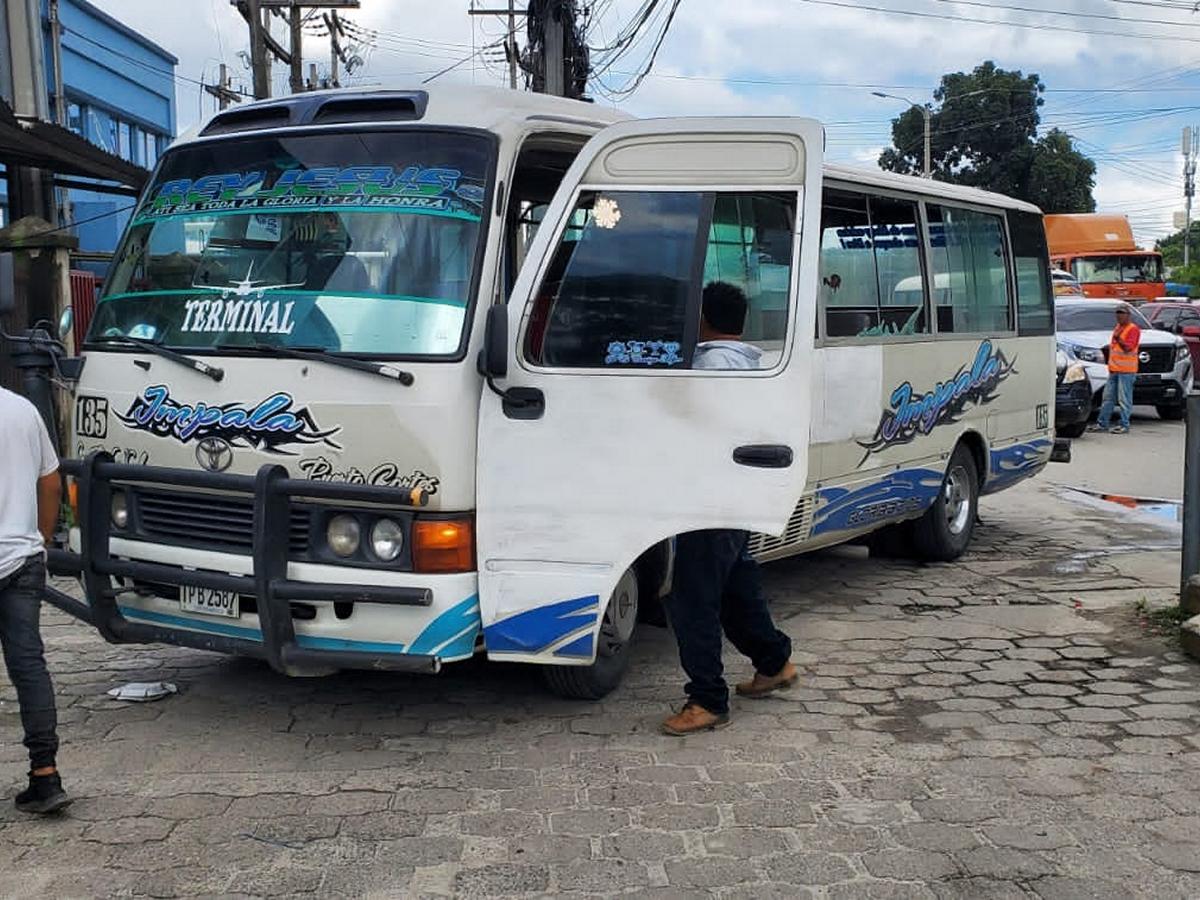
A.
pixel 1100 252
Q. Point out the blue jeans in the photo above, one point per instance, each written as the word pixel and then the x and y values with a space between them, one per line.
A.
pixel 1118 389
pixel 718 587
pixel 20 611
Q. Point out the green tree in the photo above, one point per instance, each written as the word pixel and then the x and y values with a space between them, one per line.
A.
pixel 1171 247
pixel 983 130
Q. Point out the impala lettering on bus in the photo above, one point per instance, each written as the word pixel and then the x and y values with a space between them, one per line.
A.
pixel 271 425
pixel 911 414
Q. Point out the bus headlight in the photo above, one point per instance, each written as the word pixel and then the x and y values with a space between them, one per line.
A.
pixel 343 535
pixel 387 539
pixel 119 508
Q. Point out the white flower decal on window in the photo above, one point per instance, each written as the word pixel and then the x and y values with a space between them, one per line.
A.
pixel 606 214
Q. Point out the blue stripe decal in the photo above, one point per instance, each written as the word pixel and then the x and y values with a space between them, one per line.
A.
pixel 327 643
pixel 902 493
pixel 205 627
pixel 580 647
pixel 452 633
pixel 1012 464
pixel 536 629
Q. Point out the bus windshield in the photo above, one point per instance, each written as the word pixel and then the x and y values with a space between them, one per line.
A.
pixel 361 243
pixel 1117 269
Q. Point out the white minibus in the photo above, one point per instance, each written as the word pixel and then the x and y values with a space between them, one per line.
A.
pixel 385 379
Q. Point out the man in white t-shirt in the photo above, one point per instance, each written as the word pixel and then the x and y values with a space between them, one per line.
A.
pixel 717 587
pixel 30 494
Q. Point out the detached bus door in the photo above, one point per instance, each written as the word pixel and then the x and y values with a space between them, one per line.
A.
pixel 610 439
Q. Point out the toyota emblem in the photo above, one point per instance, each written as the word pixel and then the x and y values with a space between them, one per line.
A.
pixel 214 454
pixel 1144 357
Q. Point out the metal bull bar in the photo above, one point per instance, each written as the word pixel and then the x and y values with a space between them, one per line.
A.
pixel 272 491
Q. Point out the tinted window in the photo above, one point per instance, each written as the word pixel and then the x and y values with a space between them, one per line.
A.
pixel 1117 269
pixel 970 280
pixel 1035 306
pixel 1164 316
pixel 871 277
pixel 623 288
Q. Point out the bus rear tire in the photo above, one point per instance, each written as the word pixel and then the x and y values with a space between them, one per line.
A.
pixel 617 628
pixel 944 532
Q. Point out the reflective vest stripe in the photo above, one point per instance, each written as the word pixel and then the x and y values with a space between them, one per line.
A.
pixel 1120 360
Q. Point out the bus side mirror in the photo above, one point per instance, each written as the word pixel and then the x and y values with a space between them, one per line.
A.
pixel 8 285
pixel 493 358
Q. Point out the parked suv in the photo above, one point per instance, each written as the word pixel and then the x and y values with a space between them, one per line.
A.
pixel 1164 363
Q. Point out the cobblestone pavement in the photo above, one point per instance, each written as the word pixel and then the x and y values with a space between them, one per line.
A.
pixel 1001 727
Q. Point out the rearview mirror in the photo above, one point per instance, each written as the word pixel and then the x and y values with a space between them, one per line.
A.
pixel 493 358
pixel 65 321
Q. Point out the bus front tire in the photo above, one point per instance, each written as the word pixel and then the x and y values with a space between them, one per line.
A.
pixel 598 680
pixel 944 532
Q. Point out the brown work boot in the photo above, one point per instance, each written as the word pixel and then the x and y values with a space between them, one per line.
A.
pixel 692 719
pixel 769 684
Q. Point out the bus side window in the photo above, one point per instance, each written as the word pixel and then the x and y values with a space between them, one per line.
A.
pixel 970 274
pixel 1035 296
pixel 872 283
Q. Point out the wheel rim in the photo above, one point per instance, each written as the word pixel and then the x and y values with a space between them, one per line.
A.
pixel 620 617
pixel 956 500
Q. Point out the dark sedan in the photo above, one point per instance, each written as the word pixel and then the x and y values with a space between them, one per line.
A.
pixel 1072 398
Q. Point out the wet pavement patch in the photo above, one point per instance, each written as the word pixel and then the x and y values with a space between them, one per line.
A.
pixel 1171 510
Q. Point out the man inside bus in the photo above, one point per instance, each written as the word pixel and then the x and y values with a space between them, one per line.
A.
pixel 717 583
pixel 1122 372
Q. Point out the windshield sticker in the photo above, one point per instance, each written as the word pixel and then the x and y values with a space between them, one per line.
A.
pixel 382 475
pixel 643 353
pixel 911 415
pixel 606 214
pixel 270 426
pixel 228 316
pixel 414 188
pixel 264 228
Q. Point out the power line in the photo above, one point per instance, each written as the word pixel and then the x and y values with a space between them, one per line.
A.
pixel 844 4
pixel 1070 14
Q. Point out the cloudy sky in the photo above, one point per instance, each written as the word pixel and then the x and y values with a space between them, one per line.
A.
pixel 1123 76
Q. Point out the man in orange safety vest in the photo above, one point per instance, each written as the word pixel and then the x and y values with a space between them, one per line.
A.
pixel 1122 372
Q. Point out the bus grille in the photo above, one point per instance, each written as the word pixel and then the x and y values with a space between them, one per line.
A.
pixel 798 528
pixel 221 522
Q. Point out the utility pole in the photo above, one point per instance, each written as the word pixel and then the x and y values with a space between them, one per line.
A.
pixel 552 49
pixel 222 91
pixel 1191 146
pixel 296 81
pixel 927 115
pixel 511 52
pixel 30 190
pixel 260 63
pixel 335 48
pixel 60 96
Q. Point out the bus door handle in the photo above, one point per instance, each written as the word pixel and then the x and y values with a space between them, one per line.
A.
pixel 764 456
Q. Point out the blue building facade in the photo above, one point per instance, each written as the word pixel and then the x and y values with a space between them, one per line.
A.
pixel 119 90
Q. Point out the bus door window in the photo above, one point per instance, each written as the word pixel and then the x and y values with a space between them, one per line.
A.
pixel 970 272
pixel 895 226
pixel 623 288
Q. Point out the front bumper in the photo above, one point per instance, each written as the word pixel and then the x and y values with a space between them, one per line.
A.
pixel 268 581
pixel 1072 403
pixel 1157 390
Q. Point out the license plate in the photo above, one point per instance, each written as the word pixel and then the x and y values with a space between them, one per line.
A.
pixel 208 601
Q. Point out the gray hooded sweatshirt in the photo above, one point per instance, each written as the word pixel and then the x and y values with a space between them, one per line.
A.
pixel 726 355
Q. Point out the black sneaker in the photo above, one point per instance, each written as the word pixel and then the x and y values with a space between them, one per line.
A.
pixel 45 794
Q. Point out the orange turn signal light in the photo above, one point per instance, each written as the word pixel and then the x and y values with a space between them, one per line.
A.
pixel 443 546
pixel 73 499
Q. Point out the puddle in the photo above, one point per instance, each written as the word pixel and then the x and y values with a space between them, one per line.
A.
pixel 1171 510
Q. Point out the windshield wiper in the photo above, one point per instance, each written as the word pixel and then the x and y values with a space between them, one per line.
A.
pixel 216 373
pixel 318 354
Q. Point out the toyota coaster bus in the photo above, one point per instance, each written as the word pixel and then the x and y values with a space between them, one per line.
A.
pixel 385 379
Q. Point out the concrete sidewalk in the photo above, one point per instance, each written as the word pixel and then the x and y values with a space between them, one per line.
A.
pixel 1002 727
